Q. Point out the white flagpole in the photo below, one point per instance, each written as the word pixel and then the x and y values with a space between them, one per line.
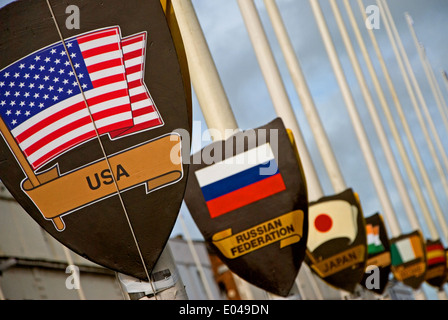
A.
pixel 69 258
pixel 439 212
pixel 384 105
pixel 196 259
pixel 356 120
pixel 204 76
pixel 398 179
pixel 2 296
pixel 281 104
pixel 436 84
pixel 445 78
pixel 438 97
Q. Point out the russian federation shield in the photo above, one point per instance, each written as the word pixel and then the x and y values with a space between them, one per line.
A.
pixel 87 115
pixel 336 248
pixel 248 197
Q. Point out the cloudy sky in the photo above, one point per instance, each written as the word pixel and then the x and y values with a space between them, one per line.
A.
pixel 235 59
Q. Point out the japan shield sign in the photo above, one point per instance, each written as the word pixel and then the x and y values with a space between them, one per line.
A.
pixel 248 197
pixel 87 119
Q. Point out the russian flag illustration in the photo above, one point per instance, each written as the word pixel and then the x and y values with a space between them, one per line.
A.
pixel 240 180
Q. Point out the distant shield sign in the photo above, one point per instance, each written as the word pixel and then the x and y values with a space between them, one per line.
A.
pixel 436 263
pixel 248 197
pixel 378 263
pixel 408 256
pixel 446 257
pixel 88 112
pixel 336 248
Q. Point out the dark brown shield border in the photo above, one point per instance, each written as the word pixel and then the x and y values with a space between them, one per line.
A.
pixel 100 232
pixel 271 268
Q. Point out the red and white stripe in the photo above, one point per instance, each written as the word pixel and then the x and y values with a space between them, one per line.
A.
pixel 109 101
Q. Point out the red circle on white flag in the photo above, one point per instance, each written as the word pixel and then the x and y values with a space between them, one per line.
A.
pixel 323 222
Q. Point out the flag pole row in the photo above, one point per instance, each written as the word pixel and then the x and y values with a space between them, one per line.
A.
pixel 296 75
pixel 205 79
pixel 423 104
pixel 282 104
pixel 398 140
pixel 428 184
pixel 364 143
pixel 356 120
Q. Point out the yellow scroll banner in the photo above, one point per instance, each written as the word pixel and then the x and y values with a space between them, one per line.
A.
pixel 414 270
pixel 287 229
pixel 155 163
pixel 380 260
pixel 434 272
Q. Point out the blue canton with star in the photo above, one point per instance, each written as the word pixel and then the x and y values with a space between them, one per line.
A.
pixel 41 80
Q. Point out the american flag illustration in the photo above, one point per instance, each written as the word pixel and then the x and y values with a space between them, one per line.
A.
pixel 44 108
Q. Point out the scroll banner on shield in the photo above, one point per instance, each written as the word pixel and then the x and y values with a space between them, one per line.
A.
pixel 286 229
pixel 59 195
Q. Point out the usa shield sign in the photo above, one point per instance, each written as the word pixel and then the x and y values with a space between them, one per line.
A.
pixel 87 115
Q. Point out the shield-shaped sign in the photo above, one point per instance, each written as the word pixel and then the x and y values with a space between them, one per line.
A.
pixel 446 257
pixel 248 197
pixel 408 256
pixel 378 265
pixel 90 95
pixel 436 272
pixel 336 248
